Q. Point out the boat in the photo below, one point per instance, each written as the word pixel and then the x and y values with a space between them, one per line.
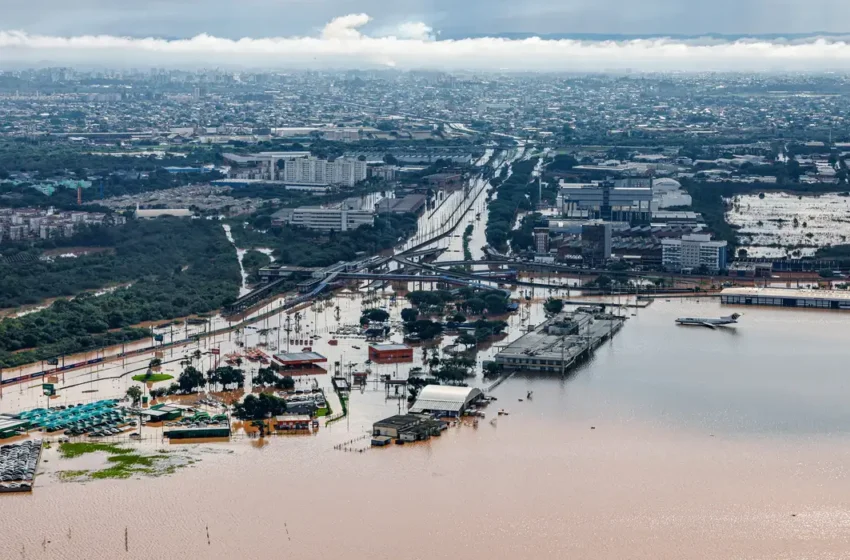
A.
pixel 333 342
pixel 710 323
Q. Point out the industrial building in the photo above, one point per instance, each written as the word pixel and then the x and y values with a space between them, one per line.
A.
pixel 559 343
pixel 692 252
pixel 11 426
pixel 412 203
pixel 605 201
pixel 405 428
pixel 390 353
pixel 787 297
pixel 197 433
pixel 323 219
pixel 446 401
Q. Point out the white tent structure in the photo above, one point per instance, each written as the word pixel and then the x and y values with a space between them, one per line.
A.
pixel 445 400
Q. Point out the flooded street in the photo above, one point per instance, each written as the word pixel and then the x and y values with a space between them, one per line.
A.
pixel 672 440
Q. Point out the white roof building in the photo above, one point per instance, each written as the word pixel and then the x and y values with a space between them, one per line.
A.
pixel 445 400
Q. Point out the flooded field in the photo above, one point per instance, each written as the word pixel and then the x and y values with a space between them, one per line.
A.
pixel 673 442
pixel 780 224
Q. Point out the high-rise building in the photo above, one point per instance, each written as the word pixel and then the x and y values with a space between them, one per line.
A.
pixel 313 171
pixel 541 240
pixel 606 201
pixel 596 242
pixel 694 251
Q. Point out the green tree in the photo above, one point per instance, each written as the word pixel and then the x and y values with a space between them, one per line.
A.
pixel 135 394
pixel 554 306
pixel 409 314
pixel 190 380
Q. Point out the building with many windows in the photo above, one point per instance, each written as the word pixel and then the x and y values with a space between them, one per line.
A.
pixel 605 201
pixel 314 171
pixel 692 252
pixel 324 219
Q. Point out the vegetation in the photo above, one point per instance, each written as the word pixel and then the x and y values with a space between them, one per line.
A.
pixel 259 407
pixel 303 247
pixel 409 314
pixel 124 463
pixel 376 315
pixel 554 306
pixel 515 193
pixel 178 268
pixel 253 261
pixel 135 394
pixel 152 377
pixel 467 234
pixel 191 380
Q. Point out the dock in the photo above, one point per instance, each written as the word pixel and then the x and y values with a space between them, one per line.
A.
pixel 560 343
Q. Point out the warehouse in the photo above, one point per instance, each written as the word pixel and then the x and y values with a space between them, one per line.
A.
pixel 786 297
pixel 406 428
pixel 442 400
pixel 390 353
pixel 10 426
pixel 300 363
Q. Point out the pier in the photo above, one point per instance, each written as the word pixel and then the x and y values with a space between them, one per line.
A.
pixel 561 342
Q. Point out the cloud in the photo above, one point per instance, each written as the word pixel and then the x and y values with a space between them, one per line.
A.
pixel 413 45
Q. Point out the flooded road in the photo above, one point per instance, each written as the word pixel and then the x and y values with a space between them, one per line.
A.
pixel 672 442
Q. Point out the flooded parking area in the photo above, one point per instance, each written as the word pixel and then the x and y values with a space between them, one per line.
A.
pixel 782 225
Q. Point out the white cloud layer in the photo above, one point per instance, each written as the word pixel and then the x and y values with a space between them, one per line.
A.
pixel 414 45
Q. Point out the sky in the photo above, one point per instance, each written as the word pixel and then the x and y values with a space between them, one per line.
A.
pixel 426 33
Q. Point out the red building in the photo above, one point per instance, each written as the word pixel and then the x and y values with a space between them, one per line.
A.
pixel 390 353
pixel 300 363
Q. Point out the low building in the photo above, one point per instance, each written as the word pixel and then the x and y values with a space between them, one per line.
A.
pixel 787 297
pixel 300 363
pixel 412 203
pixel 288 422
pixel 149 213
pixel 406 428
pixel 198 433
pixel 11 426
pixel 390 353
pixel 445 400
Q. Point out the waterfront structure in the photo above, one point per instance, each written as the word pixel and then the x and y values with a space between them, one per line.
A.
pixel 605 201
pixel 390 353
pixel 787 297
pixel 324 219
pixel 198 433
pixel 445 401
pixel 692 252
pixel 559 343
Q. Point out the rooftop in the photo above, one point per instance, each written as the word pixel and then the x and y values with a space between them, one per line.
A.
pixel 300 357
pixel 788 293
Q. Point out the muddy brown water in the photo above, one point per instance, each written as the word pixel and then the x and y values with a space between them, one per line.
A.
pixel 672 442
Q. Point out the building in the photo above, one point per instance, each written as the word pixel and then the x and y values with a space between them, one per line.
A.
pixel 384 172
pixel 149 213
pixel 605 201
pixel 289 422
pixel 390 353
pixel 314 171
pixel 323 219
pixel 786 297
pixel 263 166
pixel 561 342
pixel 300 363
pixel 405 427
pixel 412 203
pixel 693 252
pixel 596 242
pixel 197 433
pixel 445 401
pixel 541 240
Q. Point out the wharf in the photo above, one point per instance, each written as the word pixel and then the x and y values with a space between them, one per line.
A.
pixel 561 342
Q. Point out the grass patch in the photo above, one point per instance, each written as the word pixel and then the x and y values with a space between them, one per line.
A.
pixel 124 462
pixel 71 450
pixel 67 475
pixel 153 378
pixel 322 412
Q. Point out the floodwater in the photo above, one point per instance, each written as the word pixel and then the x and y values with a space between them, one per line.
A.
pixel 780 224
pixel 673 442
